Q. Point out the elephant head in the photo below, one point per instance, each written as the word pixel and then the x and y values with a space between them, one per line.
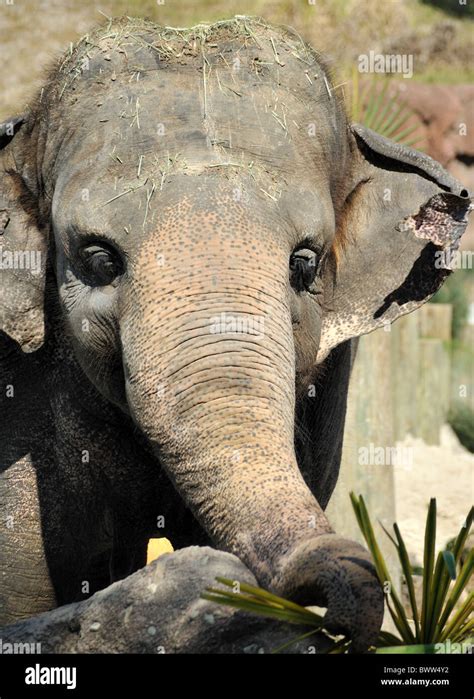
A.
pixel 216 233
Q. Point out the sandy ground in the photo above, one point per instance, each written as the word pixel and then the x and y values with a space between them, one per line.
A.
pixel 445 472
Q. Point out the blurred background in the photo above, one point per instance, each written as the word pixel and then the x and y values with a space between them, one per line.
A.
pixel 410 425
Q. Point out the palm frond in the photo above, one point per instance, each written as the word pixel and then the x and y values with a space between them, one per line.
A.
pixel 440 619
pixel 377 109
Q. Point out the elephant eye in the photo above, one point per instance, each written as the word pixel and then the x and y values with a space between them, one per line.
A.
pixel 103 265
pixel 304 266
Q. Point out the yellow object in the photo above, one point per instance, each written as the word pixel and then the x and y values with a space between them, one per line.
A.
pixel 157 547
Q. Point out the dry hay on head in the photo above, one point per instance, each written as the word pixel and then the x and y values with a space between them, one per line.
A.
pixel 273 45
pixel 126 48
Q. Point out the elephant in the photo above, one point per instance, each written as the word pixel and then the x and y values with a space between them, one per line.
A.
pixel 208 407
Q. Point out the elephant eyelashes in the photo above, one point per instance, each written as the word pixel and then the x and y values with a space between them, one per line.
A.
pixel 304 266
pixel 102 265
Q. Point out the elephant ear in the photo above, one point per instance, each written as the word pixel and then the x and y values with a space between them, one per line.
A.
pixel 399 229
pixel 23 248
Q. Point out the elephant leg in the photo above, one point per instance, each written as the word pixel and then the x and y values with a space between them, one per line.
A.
pixel 25 582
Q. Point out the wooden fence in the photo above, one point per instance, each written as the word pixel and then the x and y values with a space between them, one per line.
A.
pixel 401 383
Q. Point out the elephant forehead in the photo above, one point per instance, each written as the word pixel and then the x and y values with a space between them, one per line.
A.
pixel 121 167
pixel 135 111
pixel 214 227
pixel 167 123
pixel 237 90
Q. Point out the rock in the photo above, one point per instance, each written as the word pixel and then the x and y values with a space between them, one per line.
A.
pixel 446 117
pixel 158 609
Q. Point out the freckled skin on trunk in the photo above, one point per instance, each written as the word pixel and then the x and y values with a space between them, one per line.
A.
pixel 223 425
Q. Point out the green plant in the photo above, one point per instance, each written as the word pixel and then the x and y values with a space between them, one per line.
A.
pixel 258 601
pixel 438 620
pixel 373 107
pixel 461 419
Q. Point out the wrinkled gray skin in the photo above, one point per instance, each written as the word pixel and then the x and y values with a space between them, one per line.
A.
pixel 163 189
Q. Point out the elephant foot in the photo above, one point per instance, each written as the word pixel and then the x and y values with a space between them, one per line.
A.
pixel 336 573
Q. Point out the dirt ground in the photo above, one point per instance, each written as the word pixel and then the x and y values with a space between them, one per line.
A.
pixel 32 34
pixel 445 472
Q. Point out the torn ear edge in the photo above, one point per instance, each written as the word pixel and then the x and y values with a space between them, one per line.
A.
pixel 428 218
pixel 378 153
pixel 449 206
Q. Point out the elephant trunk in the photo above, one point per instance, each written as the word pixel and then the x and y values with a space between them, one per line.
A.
pixel 209 363
pixel 209 366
